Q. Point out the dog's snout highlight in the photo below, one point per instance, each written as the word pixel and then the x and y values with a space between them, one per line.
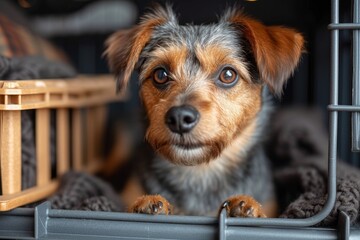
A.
pixel 182 119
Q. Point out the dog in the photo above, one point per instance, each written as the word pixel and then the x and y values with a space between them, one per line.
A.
pixel 206 90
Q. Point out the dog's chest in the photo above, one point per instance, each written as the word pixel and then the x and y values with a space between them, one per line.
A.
pixel 200 190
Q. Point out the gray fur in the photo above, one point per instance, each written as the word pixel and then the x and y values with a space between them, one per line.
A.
pixel 203 195
pixel 193 35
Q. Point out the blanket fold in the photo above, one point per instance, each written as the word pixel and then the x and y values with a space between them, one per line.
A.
pixel 300 157
pixel 81 191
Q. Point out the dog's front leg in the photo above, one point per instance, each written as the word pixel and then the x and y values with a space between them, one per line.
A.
pixel 243 206
pixel 151 204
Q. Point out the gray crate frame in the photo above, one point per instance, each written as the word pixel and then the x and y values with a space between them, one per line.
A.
pixel 43 222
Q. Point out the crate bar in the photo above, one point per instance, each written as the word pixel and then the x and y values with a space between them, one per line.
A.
pixel 344 108
pixel 343 26
pixel 62 224
pixel 102 229
pixel 222 225
pixel 343 226
pixel 17 224
pixel 130 217
pixel 355 118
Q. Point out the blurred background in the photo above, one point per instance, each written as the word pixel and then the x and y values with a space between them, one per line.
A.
pixel 80 28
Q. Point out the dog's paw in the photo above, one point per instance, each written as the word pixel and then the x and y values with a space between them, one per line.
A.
pixel 151 204
pixel 243 206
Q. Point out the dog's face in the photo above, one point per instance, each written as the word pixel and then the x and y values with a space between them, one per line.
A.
pixel 202 85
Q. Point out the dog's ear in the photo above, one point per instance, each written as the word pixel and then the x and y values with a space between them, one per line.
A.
pixel 123 48
pixel 276 50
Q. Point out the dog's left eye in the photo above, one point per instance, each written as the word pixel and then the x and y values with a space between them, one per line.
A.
pixel 160 76
pixel 228 75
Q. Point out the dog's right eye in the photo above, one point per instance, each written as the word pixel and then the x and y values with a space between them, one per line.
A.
pixel 160 76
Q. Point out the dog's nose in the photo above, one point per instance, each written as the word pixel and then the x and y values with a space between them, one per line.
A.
pixel 182 119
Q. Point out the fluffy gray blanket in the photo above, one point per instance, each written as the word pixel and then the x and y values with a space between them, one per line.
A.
pixel 300 155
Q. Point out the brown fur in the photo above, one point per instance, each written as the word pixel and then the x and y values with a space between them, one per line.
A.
pixel 227 116
pixel 242 103
pixel 124 47
pixel 277 49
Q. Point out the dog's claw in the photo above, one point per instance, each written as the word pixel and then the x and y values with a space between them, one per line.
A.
pixel 225 204
pixel 155 208
pixel 243 206
pixel 250 212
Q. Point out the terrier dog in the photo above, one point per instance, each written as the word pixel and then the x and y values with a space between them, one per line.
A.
pixel 205 89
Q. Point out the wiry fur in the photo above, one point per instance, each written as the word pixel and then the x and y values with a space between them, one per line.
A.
pixel 223 155
pixel 199 190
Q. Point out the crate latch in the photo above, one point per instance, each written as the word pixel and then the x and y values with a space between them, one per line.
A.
pixel 41 218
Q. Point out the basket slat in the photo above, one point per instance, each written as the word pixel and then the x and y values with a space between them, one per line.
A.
pixel 10 152
pixel 78 138
pixel 77 148
pixel 62 140
pixel 43 165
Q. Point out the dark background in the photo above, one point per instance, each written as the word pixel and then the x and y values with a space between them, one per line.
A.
pixel 308 87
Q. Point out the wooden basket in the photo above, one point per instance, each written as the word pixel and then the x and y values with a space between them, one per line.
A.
pixel 85 97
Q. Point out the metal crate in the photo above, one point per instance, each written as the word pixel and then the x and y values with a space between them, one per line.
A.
pixel 45 223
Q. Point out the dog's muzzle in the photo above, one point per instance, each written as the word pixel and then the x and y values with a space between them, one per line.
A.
pixel 182 119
